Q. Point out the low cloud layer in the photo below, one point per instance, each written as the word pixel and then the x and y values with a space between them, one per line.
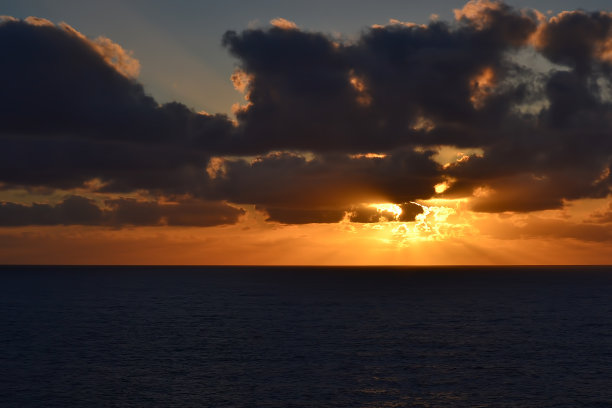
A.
pixel 77 210
pixel 326 125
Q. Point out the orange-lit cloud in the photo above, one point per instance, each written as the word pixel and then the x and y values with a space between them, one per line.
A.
pixel 241 80
pixel 363 98
pixel 393 21
pixel 114 55
pixel 477 12
pixel 482 86
pixel 283 23
pixel 37 21
pixel 574 37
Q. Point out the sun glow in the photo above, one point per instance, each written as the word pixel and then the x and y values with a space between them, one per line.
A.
pixel 434 223
pixel 394 209
pixel 441 187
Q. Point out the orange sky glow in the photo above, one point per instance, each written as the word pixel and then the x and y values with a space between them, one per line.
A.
pixel 448 235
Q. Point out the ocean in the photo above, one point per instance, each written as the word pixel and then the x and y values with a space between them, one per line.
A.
pixel 305 337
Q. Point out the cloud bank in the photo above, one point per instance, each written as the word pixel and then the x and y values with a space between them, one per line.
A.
pixel 326 125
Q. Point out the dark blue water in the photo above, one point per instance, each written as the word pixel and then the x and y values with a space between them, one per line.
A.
pixel 298 337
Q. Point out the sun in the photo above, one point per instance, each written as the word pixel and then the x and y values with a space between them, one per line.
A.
pixel 439 220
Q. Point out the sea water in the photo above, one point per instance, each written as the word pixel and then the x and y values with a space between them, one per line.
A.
pixel 305 337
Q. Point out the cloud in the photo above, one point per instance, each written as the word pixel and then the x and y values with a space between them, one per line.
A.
pixel 77 210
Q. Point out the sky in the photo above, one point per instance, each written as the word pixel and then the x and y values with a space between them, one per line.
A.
pixel 286 132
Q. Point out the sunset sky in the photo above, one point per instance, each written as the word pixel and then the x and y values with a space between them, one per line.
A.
pixel 320 132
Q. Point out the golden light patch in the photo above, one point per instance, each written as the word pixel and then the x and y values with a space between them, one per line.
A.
pixel 94 184
pixel 602 176
pixel 432 224
pixel 604 51
pixel 449 156
pixel 483 192
pixel 357 83
pixel 461 158
pixel 275 154
pixel 368 156
pixel 363 98
pixel 394 209
pixel 481 87
pixel 441 187
pixel 421 123
pixel 216 168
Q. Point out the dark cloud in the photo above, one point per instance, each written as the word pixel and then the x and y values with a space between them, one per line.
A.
pixel 577 39
pixel 308 92
pixel 76 210
pixel 289 185
pixel 68 163
pixel 73 210
pixel 68 114
pixel 189 212
pixel 411 85
pixel 359 214
pixel 56 83
pixel 71 111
